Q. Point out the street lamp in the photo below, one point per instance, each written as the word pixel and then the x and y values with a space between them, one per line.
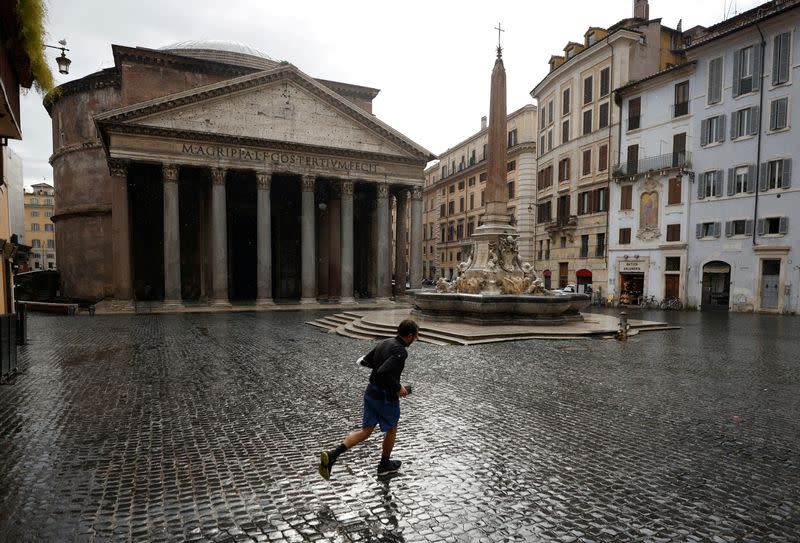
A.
pixel 62 61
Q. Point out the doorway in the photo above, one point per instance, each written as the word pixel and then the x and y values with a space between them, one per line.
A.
pixel 770 280
pixel 146 211
pixel 241 197
pixel 286 257
pixel 716 285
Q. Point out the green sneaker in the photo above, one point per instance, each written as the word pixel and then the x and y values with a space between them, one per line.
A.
pixel 325 465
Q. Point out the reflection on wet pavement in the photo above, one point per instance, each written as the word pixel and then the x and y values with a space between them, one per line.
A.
pixel 206 427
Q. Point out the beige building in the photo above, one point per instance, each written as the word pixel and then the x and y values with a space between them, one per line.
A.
pixel 40 232
pixel 208 172
pixel 454 194
pixel 578 131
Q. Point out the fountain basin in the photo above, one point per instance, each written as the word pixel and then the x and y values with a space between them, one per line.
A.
pixel 500 308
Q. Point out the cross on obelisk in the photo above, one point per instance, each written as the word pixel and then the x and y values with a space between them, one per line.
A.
pixel 499 29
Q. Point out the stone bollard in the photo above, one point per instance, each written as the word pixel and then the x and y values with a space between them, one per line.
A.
pixel 622 333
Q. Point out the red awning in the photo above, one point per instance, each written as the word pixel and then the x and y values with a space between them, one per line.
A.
pixel 583 273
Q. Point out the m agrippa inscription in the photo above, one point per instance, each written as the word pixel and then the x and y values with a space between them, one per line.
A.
pixel 278 158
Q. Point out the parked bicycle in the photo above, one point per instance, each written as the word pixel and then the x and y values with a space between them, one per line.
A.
pixel 648 302
pixel 672 303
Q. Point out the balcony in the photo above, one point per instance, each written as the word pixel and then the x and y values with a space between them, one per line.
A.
pixel 652 164
pixel 562 223
pixel 679 109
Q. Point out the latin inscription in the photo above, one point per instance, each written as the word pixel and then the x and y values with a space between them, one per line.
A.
pixel 278 158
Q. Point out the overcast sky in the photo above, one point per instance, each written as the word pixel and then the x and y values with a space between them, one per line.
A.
pixel 431 59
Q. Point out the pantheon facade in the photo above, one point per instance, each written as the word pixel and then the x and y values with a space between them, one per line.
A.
pixel 209 173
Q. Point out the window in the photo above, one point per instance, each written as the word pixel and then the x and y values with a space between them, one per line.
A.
pixel 739 227
pixel 511 166
pixel 544 212
pixel 35 201
pixel 714 80
pixel 472 201
pixel 442 230
pixel 442 211
pixel 710 184
pixel 626 197
pixel 778 174
pixel 563 170
pixel 602 163
pixel 51 243
pixel 35 227
pixel 565 131
pixel 634 112
pixel 738 184
pixel 587 162
pixel 744 122
pixel 51 255
pixel 603 121
pixel 672 263
pixel 470 228
pixel 34 213
pixel 48 201
pixel 541 146
pixel 772 225
pixel 565 102
pixel 562 211
pixel 452 189
pixel 674 192
pixel 472 158
pixel 673 232
pixel 602 199
pixel 605 81
pixel 633 159
pixel 712 130
pixel 48 227
pixel 461 185
pixel 512 137
pixel 780 58
pixel 484 151
pixel 587 121
pixel 460 232
pixel 545 178
pixel 778 110
pixel 600 248
pixel 550 112
pixel 471 181
pixel 48 213
pixel 584 246
pixel 483 176
pixel 36 244
pixel 681 106
pixel 451 208
pixel 587 90
pixel 746 70
pixel 570 52
pixel 707 230
pixel 584 203
pixel 549 139
pixel 510 190
pixel 624 236
pixel 483 201
pixel 590 39
pixel 461 204
pixel 562 242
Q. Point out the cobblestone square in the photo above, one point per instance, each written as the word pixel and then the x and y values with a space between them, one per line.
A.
pixel 207 427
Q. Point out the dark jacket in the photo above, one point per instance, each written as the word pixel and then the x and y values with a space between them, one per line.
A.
pixel 387 361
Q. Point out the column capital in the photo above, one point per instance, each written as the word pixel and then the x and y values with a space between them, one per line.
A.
pixel 118 168
pixel 308 182
pixel 416 193
pixel 264 180
pixel 383 190
pixel 347 187
pixel 401 194
pixel 169 172
pixel 218 176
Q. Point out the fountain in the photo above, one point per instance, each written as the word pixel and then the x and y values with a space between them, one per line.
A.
pixel 494 286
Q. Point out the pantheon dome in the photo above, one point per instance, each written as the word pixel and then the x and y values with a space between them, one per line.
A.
pixel 228 52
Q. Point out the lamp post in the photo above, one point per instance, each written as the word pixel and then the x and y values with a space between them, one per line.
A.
pixel 62 61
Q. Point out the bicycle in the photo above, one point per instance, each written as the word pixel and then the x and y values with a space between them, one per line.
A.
pixel 648 302
pixel 672 303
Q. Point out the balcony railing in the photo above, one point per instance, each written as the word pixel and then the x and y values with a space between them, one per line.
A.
pixel 653 163
pixel 680 109
pixel 563 222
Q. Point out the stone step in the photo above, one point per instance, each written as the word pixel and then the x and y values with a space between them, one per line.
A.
pixel 378 331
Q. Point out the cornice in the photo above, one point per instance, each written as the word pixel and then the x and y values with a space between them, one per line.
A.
pixel 86 210
pixel 95 81
pixel 209 137
pixel 85 146
pixel 143 55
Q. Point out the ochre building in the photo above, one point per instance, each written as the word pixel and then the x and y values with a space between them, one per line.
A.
pixel 207 172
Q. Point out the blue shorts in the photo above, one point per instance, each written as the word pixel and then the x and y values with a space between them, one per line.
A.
pixel 387 414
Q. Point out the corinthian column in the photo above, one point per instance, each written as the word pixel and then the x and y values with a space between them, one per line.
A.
pixel 308 243
pixel 346 296
pixel 415 250
pixel 219 239
pixel 400 244
pixel 172 238
pixel 120 237
pixel 264 239
pixel 382 258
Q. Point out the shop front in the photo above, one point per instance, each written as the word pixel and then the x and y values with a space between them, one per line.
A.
pixel 631 280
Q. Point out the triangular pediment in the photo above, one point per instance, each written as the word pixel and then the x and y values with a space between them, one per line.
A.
pixel 282 105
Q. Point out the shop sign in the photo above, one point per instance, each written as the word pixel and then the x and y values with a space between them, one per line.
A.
pixel 631 266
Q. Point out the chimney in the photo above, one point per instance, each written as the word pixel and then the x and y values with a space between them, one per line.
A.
pixel 641 9
pixel 483 122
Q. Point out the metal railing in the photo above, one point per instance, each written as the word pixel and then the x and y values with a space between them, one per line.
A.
pixel 679 110
pixel 660 162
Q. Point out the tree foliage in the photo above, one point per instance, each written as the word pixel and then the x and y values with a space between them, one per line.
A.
pixel 31 14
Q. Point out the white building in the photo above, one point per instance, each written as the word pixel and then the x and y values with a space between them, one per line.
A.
pixel 744 250
pixel 648 223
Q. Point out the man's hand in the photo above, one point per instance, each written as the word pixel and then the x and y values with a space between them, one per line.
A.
pixel 402 392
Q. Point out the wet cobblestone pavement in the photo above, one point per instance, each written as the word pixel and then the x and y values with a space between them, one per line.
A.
pixel 207 428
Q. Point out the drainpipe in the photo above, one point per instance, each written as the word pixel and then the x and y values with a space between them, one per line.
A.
pixel 758 140
pixel 608 161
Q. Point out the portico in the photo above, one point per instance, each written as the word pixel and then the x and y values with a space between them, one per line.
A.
pixel 215 202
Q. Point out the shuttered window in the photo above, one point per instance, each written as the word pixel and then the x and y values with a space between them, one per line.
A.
pixel 587 90
pixel 712 130
pixel 624 236
pixel 602 163
pixel 747 70
pixel 603 121
pixel 715 80
pixel 681 104
pixel 673 232
pixel 587 162
pixel 780 58
pixel 744 122
pixel 626 197
pixel 587 121
pixel 565 131
pixel 674 194
pixel 634 112
pixel 778 111
pixel 565 98
pixel 605 81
